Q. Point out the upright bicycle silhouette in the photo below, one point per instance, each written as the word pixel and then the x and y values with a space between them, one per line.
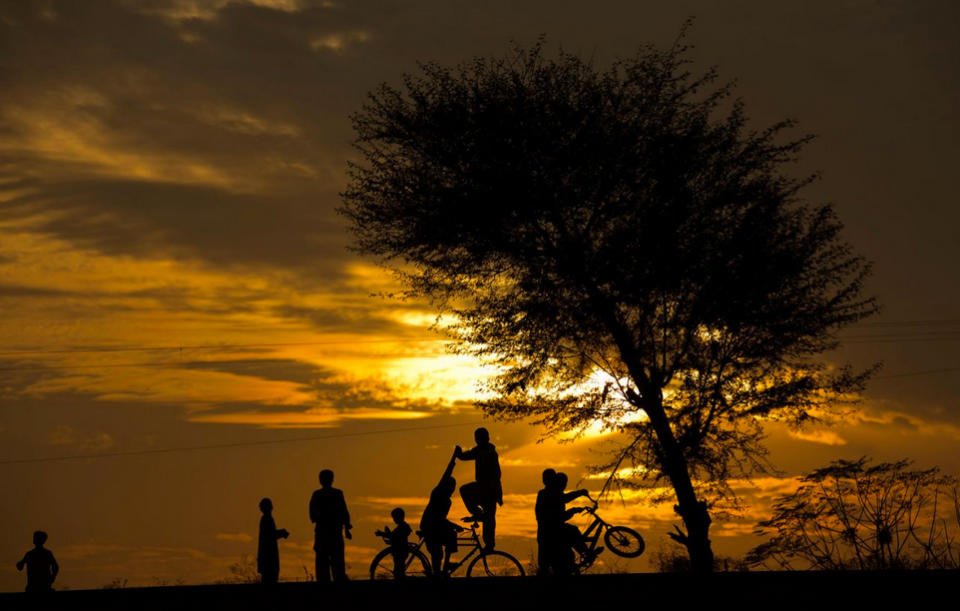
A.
pixel 489 563
pixel 621 540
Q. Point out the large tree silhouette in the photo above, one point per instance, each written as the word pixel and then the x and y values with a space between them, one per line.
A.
pixel 622 246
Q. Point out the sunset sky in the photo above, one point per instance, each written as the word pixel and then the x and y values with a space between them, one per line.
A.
pixel 173 273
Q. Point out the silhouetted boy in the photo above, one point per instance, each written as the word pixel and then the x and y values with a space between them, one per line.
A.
pixel 482 496
pixel 399 541
pixel 439 533
pixel 268 554
pixel 328 512
pixel 567 535
pixel 42 567
pixel 544 537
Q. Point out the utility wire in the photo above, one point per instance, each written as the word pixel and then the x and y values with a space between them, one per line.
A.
pixel 180 348
pixel 916 373
pixel 28 352
pixel 333 436
pixel 238 444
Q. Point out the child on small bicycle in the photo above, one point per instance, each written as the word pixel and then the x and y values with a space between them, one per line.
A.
pixel 399 541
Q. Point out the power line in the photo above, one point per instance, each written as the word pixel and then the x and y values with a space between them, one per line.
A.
pixel 92 349
pixel 911 323
pixel 903 340
pixel 333 436
pixel 917 373
pixel 895 335
pixel 238 444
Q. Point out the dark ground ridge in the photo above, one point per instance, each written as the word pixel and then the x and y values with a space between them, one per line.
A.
pixel 909 590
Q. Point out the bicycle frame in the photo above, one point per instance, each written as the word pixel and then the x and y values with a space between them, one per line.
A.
pixel 593 532
pixel 472 538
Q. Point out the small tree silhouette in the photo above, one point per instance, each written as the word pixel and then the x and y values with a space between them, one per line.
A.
pixel 243 571
pixel 858 515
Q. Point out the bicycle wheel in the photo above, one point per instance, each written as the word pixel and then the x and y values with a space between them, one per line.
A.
pixel 495 564
pixel 624 541
pixel 417 565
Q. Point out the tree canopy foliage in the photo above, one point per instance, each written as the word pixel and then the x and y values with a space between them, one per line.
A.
pixel 622 245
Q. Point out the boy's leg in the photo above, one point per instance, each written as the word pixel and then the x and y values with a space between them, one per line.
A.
pixel 326 555
pixel 322 565
pixel 489 521
pixel 541 556
pixel 399 562
pixel 471 495
pixel 574 538
pixel 436 557
pixel 270 575
pixel 337 560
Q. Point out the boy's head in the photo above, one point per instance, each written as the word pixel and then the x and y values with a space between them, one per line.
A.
pixel 481 435
pixel 326 478
pixel 39 538
pixel 447 485
pixel 397 514
pixel 266 505
pixel 548 476
pixel 562 481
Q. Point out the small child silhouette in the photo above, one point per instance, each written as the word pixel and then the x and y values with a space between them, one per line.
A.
pixel 42 567
pixel 268 554
pixel 399 544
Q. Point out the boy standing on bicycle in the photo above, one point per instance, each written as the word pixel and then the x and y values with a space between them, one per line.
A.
pixel 482 496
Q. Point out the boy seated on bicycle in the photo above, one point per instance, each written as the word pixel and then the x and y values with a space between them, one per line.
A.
pixel 398 539
pixel 439 533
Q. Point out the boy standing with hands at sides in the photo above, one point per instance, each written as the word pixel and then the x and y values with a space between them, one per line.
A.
pixel 268 554
pixel 399 544
pixel 42 567
pixel 328 512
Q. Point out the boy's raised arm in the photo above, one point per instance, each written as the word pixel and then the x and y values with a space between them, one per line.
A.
pixel 569 496
pixel 449 470
pixel 470 454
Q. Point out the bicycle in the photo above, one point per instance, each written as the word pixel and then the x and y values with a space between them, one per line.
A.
pixel 621 540
pixel 493 563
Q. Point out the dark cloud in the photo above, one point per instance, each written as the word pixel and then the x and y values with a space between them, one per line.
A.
pixel 153 219
pixel 283 370
pixel 16 290
pixel 348 319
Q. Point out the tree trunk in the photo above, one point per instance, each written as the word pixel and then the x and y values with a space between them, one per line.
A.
pixel 694 512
